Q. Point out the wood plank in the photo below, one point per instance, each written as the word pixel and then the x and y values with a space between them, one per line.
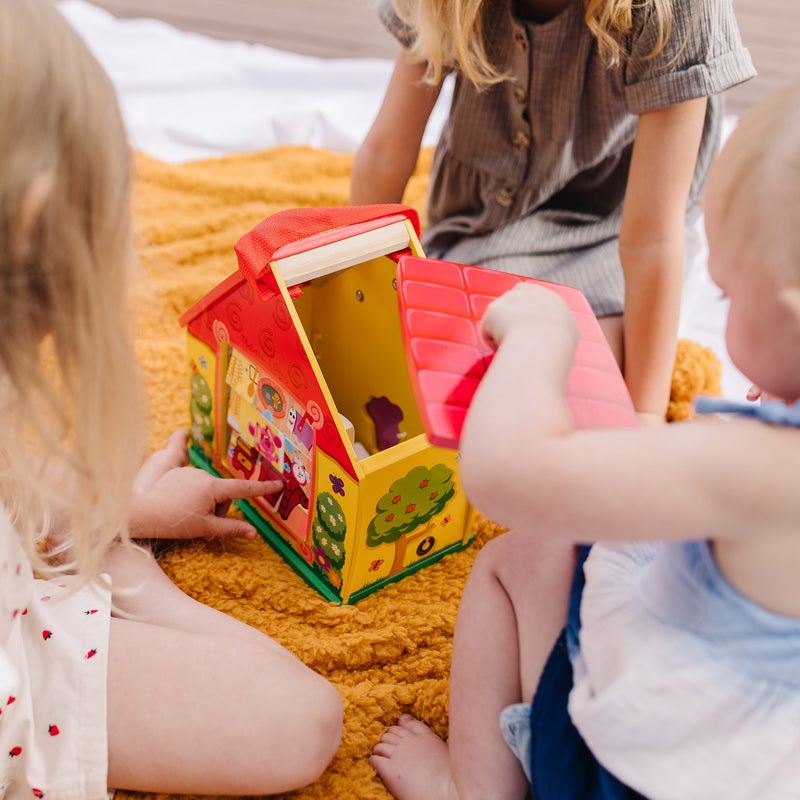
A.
pixel 323 28
pixel 350 28
pixel 771 32
pixel 335 256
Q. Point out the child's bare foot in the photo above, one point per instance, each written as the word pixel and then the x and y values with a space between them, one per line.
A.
pixel 413 762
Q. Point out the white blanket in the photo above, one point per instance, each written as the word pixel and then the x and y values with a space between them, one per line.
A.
pixel 185 96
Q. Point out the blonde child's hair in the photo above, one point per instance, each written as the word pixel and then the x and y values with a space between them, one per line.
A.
pixel 449 33
pixel 69 392
pixel 756 180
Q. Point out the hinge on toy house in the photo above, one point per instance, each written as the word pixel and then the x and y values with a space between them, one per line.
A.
pixel 304 244
pixel 326 259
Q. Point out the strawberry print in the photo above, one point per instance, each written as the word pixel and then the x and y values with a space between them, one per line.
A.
pixel 52 738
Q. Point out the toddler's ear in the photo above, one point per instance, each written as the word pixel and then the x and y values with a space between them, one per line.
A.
pixel 36 195
pixel 789 298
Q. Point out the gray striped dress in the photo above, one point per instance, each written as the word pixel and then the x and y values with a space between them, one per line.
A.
pixel 529 175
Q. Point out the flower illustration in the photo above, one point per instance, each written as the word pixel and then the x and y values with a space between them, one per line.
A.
pixel 334 578
pixel 337 484
pixel 322 560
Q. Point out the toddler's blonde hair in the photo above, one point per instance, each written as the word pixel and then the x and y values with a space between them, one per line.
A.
pixel 756 180
pixel 449 33
pixel 69 391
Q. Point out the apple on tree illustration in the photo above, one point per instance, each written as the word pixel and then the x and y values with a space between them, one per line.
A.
pixel 403 512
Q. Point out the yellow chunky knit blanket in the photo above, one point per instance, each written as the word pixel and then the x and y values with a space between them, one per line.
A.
pixel 390 653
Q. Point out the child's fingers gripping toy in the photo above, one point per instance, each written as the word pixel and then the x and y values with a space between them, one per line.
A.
pixel 297 371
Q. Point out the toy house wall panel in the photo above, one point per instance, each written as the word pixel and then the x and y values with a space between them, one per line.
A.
pixel 274 353
pixel 345 318
pixel 413 509
pixel 203 390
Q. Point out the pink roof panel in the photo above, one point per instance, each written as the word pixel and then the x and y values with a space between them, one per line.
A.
pixel 441 306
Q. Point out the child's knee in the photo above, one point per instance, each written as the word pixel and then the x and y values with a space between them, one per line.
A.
pixel 315 723
pixel 505 549
pixel 297 735
pixel 517 556
pixel 492 570
pixel 325 727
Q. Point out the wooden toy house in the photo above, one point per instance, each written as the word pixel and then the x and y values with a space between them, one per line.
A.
pixel 297 370
pixel 341 360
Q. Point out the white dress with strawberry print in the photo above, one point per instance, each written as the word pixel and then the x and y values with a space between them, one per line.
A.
pixel 53 672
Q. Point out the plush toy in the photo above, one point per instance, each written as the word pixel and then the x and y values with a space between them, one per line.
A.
pixel 697 371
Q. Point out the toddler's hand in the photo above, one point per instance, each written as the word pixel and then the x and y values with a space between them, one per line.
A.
pixel 525 304
pixel 174 501
pixel 753 393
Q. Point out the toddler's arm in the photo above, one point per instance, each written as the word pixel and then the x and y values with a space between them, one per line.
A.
pixel 387 156
pixel 651 245
pixel 525 467
pixel 519 401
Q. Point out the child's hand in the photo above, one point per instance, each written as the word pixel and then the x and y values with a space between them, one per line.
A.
pixel 753 393
pixel 526 304
pixel 175 501
pixel 174 454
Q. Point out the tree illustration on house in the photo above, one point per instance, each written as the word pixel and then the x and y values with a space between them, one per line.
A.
pixel 329 528
pixel 200 407
pixel 404 511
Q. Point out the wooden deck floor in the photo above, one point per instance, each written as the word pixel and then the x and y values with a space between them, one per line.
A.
pixel 336 28
pixel 325 28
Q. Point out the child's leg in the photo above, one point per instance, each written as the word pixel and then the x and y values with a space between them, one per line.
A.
pixel 144 593
pixel 613 331
pixel 199 702
pixel 197 713
pixel 513 609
